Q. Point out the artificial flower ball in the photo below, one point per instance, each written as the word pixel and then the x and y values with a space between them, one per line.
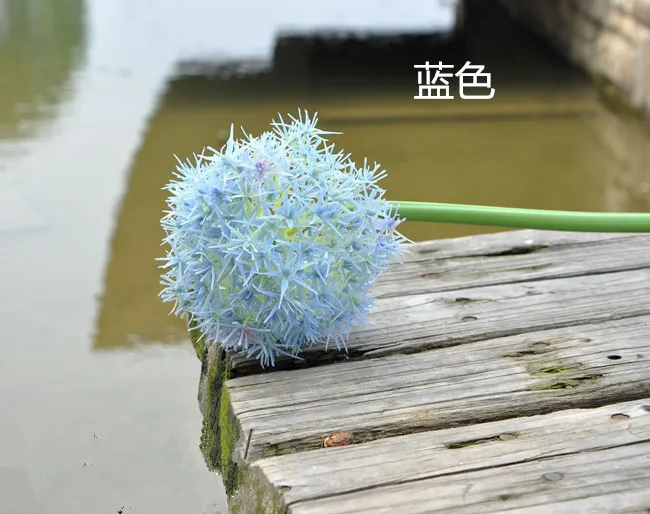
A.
pixel 276 240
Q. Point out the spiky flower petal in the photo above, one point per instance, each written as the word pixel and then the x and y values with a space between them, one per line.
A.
pixel 276 240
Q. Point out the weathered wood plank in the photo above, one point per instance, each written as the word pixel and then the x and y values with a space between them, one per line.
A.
pixel 420 322
pixel 417 322
pixel 509 242
pixel 522 375
pixel 588 479
pixel 506 258
pixel 508 325
pixel 488 467
pixel 459 264
pixel 476 264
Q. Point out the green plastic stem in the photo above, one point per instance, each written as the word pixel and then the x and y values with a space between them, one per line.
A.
pixel 523 218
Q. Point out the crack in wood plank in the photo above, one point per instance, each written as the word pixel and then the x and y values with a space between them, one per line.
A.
pixel 427 459
pixel 477 382
pixel 427 321
pixel 417 276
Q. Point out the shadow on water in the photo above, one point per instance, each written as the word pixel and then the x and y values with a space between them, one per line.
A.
pixel 41 43
pixel 538 143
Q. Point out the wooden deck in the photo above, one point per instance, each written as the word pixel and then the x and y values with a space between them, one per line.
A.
pixel 500 373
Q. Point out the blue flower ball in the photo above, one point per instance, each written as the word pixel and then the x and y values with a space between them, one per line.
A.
pixel 276 240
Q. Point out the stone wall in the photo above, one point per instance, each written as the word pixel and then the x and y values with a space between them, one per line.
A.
pixel 608 38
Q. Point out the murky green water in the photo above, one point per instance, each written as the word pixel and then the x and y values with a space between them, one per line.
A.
pixel 97 383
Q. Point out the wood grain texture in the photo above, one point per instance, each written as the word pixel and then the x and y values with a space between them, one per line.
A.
pixel 469 339
pixel 460 271
pixel 430 267
pixel 561 461
pixel 607 480
pixel 500 378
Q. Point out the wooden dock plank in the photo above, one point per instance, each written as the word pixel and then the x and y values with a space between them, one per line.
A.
pixel 588 479
pixel 465 333
pixel 419 322
pixel 445 266
pixel 439 310
pixel 406 324
pixel 562 457
pixel 494 379
pixel 475 262
pixel 507 242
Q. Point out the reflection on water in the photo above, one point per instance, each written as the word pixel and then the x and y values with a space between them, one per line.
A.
pixel 91 431
pixel 532 146
pixel 196 110
pixel 40 46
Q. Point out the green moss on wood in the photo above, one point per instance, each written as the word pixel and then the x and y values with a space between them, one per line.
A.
pixel 551 370
pixel 220 432
pixel 209 441
pixel 558 374
pixel 257 496
pixel 228 433
pixel 197 339
pixel 551 367
pixel 564 382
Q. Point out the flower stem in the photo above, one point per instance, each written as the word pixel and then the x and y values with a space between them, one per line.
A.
pixel 523 218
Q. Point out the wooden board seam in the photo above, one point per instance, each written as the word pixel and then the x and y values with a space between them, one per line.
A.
pixel 457 473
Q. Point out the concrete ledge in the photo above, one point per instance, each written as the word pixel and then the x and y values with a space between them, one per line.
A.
pixel 610 39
